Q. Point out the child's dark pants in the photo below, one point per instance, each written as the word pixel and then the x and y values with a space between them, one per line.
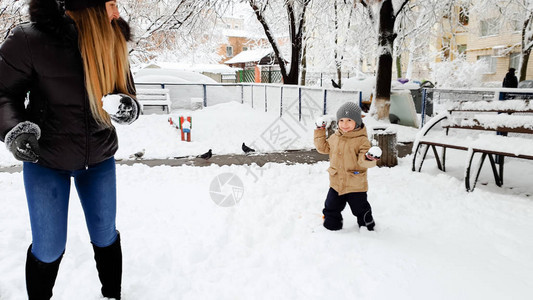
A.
pixel 358 204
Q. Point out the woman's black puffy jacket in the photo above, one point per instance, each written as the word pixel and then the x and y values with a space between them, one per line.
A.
pixel 46 66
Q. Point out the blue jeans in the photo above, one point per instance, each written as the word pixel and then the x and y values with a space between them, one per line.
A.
pixel 47 192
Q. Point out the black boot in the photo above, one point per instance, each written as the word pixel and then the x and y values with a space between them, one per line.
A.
pixel 109 266
pixel 40 277
pixel 366 220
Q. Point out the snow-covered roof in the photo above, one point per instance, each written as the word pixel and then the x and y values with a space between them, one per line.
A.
pixel 159 75
pixel 212 68
pixel 249 56
pixel 243 33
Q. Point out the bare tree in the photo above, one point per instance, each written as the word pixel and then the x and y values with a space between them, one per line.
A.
pixel 11 14
pixel 386 37
pixel 295 11
pixel 162 27
pixel 340 39
pixel 527 44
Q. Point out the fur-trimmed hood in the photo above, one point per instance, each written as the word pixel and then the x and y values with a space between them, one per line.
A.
pixel 49 16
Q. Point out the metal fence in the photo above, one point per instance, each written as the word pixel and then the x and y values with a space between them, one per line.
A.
pixel 272 98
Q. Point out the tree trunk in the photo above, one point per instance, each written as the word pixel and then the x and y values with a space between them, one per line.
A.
pixel 523 65
pixel 338 63
pixel 277 53
pixel 304 66
pixel 526 47
pixel 296 29
pixel 384 74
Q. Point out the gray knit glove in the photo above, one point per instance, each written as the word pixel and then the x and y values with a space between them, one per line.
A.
pixel 22 141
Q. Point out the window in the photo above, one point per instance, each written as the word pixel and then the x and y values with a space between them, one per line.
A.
pixel 514 60
pixel 489 27
pixel 516 25
pixel 445 48
pixel 228 26
pixel 463 16
pixel 244 48
pixel 229 51
pixel 236 27
pixel 461 49
pixel 490 61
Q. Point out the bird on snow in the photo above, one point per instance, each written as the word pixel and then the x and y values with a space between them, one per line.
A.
pixel 247 149
pixel 335 85
pixel 206 155
pixel 138 155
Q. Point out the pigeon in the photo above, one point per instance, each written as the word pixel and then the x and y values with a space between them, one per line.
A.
pixel 247 149
pixel 206 155
pixel 335 85
pixel 138 155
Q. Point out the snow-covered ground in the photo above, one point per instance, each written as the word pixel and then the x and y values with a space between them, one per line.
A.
pixel 433 240
pixel 222 128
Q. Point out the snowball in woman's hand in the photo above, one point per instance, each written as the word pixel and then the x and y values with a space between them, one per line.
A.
pixel 111 102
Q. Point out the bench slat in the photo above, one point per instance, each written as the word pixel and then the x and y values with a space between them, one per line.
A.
pixel 500 129
pixel 154 97
pixel 509 116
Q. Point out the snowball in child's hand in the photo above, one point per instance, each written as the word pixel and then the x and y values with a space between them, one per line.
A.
pixel 320 122
pixel 111 102
pixel 375 152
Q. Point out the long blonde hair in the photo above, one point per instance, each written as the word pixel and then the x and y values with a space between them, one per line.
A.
pixel 105 58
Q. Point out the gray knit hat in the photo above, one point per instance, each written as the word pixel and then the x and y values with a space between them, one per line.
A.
pixel 352 111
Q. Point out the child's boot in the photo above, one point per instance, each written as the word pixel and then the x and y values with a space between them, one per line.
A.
pixel 366 220
pixel 332 223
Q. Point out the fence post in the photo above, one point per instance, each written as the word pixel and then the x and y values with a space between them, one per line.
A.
pixel 252 87
pixel 423 110
pixel 265 98
pixel 300 104
pixel 242 93
pixel 325 100
pixel 281 103
pixel 162 85
pixel 205 95
pixel 320 79
pixel 360 98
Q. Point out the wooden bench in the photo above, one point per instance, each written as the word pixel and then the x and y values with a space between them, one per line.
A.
pixel 154 97
pixel 489 124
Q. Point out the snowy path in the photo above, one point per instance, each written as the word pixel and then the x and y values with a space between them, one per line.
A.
pixel 433 240
pixel 286 157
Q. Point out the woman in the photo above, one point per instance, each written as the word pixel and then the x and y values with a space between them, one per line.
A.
pixel 64 62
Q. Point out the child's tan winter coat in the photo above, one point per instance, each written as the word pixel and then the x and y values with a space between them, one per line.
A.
pixel 348 164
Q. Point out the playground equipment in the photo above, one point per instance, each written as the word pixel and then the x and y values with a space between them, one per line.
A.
pixel 184 125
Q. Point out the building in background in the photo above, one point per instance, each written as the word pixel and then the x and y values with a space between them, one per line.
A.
pixel 497 41
pixel 239 38
pixel 483 35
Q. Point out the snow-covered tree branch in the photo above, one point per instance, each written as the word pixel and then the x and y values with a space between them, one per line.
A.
pixel 267 13
pixel 179 27
pixel 11 14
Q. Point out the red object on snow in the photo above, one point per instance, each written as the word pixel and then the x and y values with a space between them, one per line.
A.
pixel 185 130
